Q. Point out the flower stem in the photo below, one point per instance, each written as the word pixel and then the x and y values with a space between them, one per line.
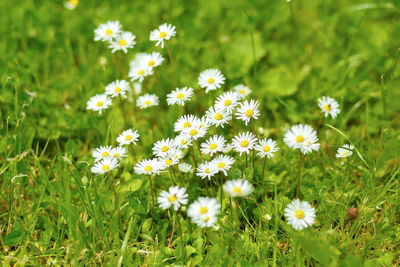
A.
pixel 233 123
pixel 180 230
pixel 198 147
pixel 193 157
pixel 152 196
pixel 265 163
pixel 171 176
pixel 301 159
pixel 124 112
pixel 172 65
pixel 221 188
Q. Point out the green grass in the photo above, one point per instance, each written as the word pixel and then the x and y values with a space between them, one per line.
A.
pixel 54 211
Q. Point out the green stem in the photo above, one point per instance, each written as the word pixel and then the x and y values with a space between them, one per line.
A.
pixel 180 229
pixel 198 147
pixel 152 197
pixel 265 163
pixel 172 65
pixel 171 176
pixel 298 193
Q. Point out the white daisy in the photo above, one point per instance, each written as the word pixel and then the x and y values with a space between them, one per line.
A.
pixel 211 79
pixel 248 110
pixel 197 130
pixel 164 32
pixel 238 188
pixel 218 117
pixel 138 73
pixel 118 88
pixel 227 101
pixel 123 41
pixel 206 170
pixel 213 145
pixel 242 90
pixel 223 163
pixel 310 145
pixel 298 134
pixel 185 167
pixel 184 122
pixel 119 152
pixel 153 60
pixel 345 151
pixel 71 4
pixel 98 103
pixel 102 152
pixel 228 148
pixel 148 167
pixel 328 106
pixel 266 148
pixel 104 165
pixel 107 31
pixel 174 197
pixel 128 137
pixel 147 100
pixel 300 214
pixel 204 211
pixel 163 147
pixel 179 96
pixel 244 142
pixel 182 141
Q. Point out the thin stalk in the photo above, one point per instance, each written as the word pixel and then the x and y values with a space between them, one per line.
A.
pixel 198 147
pixel 253 152
pixel 124 112
pixel 264 164
pixel 181 231
pixel 395 63
pixel 152 196
pixel 246 159
pixel 275 246
pixel 172 65
pixel 233 123
pixel 301 159
pixel 222 191
pixel 171 176
pixel 193 157
pixel 184 109
pixel 128 232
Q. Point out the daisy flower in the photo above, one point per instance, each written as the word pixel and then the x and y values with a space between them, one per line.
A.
pixel 228 148
pixel 119 152
pixel 123 41
pixel 102 152
pixel 227 101
pixel 213 145
pixel 174 197
pixel 179 96
pixel 128 137
pixel 345 151
pixel 148 167
pixel 211 79
pixel 328 106
pixel 147 100
pixel 242 90
pixel 204 211
pixel 248 110
pixel 310 145
pixel 98 103
pixel 218 117
pixel 164 32
pixel 238 188
pixel 300 214
pixel 163 147
pixel 71 4
pixel 107 31
pixel 182 141
pixel 298 134
pixel 138 73
pixel 105 165
pixel 206 170
pixel 153 60
pixel 223 163
pixel 244 142
pixel 184 122
pixel 266 148
pixel 118 88
pixel 197 130
pixel 185 167
pixel 137 88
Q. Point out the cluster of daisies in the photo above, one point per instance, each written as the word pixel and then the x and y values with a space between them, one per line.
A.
pixel 215 151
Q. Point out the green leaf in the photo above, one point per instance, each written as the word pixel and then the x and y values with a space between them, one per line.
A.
pixel 279 81
pixel 130 186
pixel 14 238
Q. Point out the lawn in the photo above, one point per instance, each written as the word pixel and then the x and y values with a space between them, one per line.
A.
pixel 57 208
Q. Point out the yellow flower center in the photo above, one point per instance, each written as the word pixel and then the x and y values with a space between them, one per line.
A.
pixel 221 165
pixel 193 132
pixel 207 218
pixel 242 91
pixel 300 138
pixel 99 104
pixel 249 112
pixel 163 34
pixel 213 146
pixel 164 149
pixel 203 210
pixel 128 137
pixel 299 214
pixel 147 103
pixel 168 162
pixel 116 155
pixel 207 170
pixel 345 153
pixel 266 149
pixel 109 32
pixel 117 89
pixel 237 190
pixel 328 107
pixel 180 96
pixel 172 198
pixel 218 116
pixel 183 142
pixel 151 63
pixel 187 124
pixel 148 168
pixel 211 80
pixel 244 143
pixel 140 72
pixel 105 154
pixel 227 102
pixel 122 42
pixel 74 3
pixel 105 167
